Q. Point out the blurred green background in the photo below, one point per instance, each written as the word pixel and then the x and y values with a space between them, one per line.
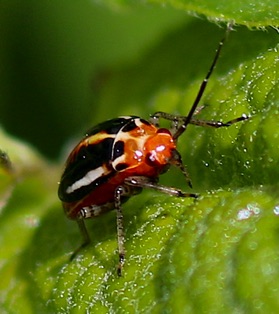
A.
pixel 50 53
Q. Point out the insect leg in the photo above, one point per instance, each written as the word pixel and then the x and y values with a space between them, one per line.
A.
pixel 119 192
pixel 85 236
pixel 178 121
pixel 145 182
pixel 218 124
pixel 154 118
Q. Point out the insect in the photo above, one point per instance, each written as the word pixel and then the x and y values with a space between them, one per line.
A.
pixel 118 158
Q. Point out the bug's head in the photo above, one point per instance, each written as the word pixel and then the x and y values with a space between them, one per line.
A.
pixel 160 148
pixel 162 153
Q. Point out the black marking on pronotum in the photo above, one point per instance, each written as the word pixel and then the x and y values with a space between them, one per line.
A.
pixel 118 150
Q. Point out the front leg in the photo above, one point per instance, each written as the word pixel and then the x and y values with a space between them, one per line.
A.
pixel 176 120
pixel 179 123
pixel 145 182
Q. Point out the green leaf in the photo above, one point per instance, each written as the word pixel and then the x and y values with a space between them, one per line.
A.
pixel 250 13
pixel 253 13
pixel 214 254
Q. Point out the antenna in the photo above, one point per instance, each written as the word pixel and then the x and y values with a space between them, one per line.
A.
pixel 203 85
